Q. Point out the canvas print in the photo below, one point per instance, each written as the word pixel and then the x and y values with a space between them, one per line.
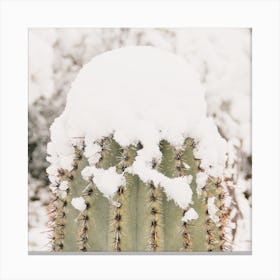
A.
pixel 139 140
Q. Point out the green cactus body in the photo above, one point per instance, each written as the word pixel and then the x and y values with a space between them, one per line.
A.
pixel 139 217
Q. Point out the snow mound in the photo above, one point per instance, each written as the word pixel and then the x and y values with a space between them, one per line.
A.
pixel 139 94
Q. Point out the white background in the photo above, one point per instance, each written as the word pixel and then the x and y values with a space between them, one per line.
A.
pixel 262 16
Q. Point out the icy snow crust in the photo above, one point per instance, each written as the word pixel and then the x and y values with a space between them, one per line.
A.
pixel 138 94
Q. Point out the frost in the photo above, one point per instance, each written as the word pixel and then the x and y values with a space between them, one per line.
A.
pixel 79 203
pixel 212 209
pixel 191 214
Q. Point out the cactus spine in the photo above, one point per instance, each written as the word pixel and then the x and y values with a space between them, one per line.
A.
pixel 140 217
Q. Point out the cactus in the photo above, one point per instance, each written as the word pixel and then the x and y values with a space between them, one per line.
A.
pixel 139 183
pixel 139 217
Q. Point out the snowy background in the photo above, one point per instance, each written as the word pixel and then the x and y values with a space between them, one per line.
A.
pixel 222 57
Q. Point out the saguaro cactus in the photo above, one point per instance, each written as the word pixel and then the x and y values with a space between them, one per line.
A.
pixel 117 195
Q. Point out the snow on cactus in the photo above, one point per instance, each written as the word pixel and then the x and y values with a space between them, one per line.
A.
pixel 135 145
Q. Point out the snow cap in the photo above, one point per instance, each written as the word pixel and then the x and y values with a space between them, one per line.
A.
pixel 139 94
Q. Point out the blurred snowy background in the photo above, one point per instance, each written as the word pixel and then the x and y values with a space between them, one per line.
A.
pixel 222 57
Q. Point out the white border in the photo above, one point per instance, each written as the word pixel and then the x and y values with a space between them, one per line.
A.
pixel 262 16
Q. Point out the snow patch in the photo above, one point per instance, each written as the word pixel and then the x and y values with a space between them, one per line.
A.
pixel 201 179
pixel 186 166
pixel 52 170
pixel 92 151
pixel 106 180
pixel 191 214
pixel 116 204
pixel 175 188
pixel 212 209
pixel 178 189
pixel 87 173
pixel 79 203
pixel 63 186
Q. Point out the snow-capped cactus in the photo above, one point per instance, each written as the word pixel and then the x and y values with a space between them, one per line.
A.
pixel 141 163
